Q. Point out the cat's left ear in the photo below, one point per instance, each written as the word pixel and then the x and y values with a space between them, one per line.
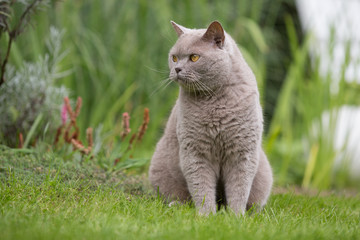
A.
pixel 180 30
pixel 215 33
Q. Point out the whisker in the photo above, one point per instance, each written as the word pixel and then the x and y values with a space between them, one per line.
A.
pixel 203 86
pixel 162 82
pixel 212 93
pixel 198 86
pixel 194 87
pixel 205 89
pixel 162 85
pixel 156 70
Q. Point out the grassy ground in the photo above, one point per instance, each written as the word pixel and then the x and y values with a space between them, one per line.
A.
pixel 43 197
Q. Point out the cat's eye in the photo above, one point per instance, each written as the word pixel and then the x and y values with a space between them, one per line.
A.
pixel 194 57
pixel 174 58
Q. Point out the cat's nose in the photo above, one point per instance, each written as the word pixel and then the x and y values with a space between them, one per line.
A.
pixel 178 70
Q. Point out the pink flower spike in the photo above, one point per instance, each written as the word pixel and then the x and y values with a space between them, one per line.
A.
pixel 64 116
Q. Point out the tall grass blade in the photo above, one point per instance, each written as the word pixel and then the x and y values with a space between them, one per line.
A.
pixel 33 128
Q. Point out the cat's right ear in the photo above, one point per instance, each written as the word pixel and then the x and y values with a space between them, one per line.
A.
pixel 215 33
pixel 180 30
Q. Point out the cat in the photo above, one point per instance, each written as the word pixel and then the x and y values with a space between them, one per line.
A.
pixel 211 148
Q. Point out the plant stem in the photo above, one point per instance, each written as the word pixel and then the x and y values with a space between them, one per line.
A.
pixel 12 36
pixel 3 66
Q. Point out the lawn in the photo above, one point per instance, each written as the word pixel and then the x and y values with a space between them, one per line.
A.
pixel 45 197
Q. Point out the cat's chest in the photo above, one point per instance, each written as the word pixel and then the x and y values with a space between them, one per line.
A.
pixel 213 118
pixel 209 120
pixel 210 130
pixel 217 129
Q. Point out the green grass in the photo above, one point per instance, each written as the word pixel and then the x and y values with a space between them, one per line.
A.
pixel 44 197
pixel 58 212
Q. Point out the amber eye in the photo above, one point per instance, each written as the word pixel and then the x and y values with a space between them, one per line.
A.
pixel 174 58
pixel 194 57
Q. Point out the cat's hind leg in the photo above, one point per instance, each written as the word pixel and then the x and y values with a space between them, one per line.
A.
pixel 261 186
pixel 165 174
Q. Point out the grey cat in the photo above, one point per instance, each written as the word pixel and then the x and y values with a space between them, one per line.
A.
pixel 211 149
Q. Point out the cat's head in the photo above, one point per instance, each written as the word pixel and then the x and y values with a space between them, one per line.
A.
pixel 200 60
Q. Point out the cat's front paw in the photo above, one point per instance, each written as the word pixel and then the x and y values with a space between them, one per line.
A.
pixel 174 203
pixel 206 211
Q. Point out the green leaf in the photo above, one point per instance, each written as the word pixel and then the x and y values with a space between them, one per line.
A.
pixel 32 129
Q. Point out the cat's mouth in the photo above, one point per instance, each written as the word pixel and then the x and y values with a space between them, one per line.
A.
pixel 187 84
pixel 184 82
pixel 181 80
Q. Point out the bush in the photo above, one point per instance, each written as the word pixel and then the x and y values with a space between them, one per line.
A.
pixel 30 93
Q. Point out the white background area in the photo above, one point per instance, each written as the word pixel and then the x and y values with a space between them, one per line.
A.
pixel 319 18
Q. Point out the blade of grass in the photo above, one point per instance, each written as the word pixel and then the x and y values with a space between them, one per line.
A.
pixel 30 134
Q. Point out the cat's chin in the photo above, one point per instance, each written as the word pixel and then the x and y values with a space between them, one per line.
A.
pixel 184 82
pixel 188 85
pixel 190 88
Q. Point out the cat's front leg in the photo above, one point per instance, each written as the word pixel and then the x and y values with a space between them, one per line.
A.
pixel 239 171
pixel 200 175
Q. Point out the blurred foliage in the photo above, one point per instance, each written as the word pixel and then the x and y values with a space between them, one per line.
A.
pixel 29 95
pixel 303 130
pixel 118 51
pixel 117 56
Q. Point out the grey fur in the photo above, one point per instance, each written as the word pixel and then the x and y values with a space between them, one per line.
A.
pixel 212 139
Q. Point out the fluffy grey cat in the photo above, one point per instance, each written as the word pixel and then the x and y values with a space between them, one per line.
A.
pixel 211 149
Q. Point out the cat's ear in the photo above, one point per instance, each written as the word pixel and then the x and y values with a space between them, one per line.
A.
pixel 180 30
pixel 215 33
